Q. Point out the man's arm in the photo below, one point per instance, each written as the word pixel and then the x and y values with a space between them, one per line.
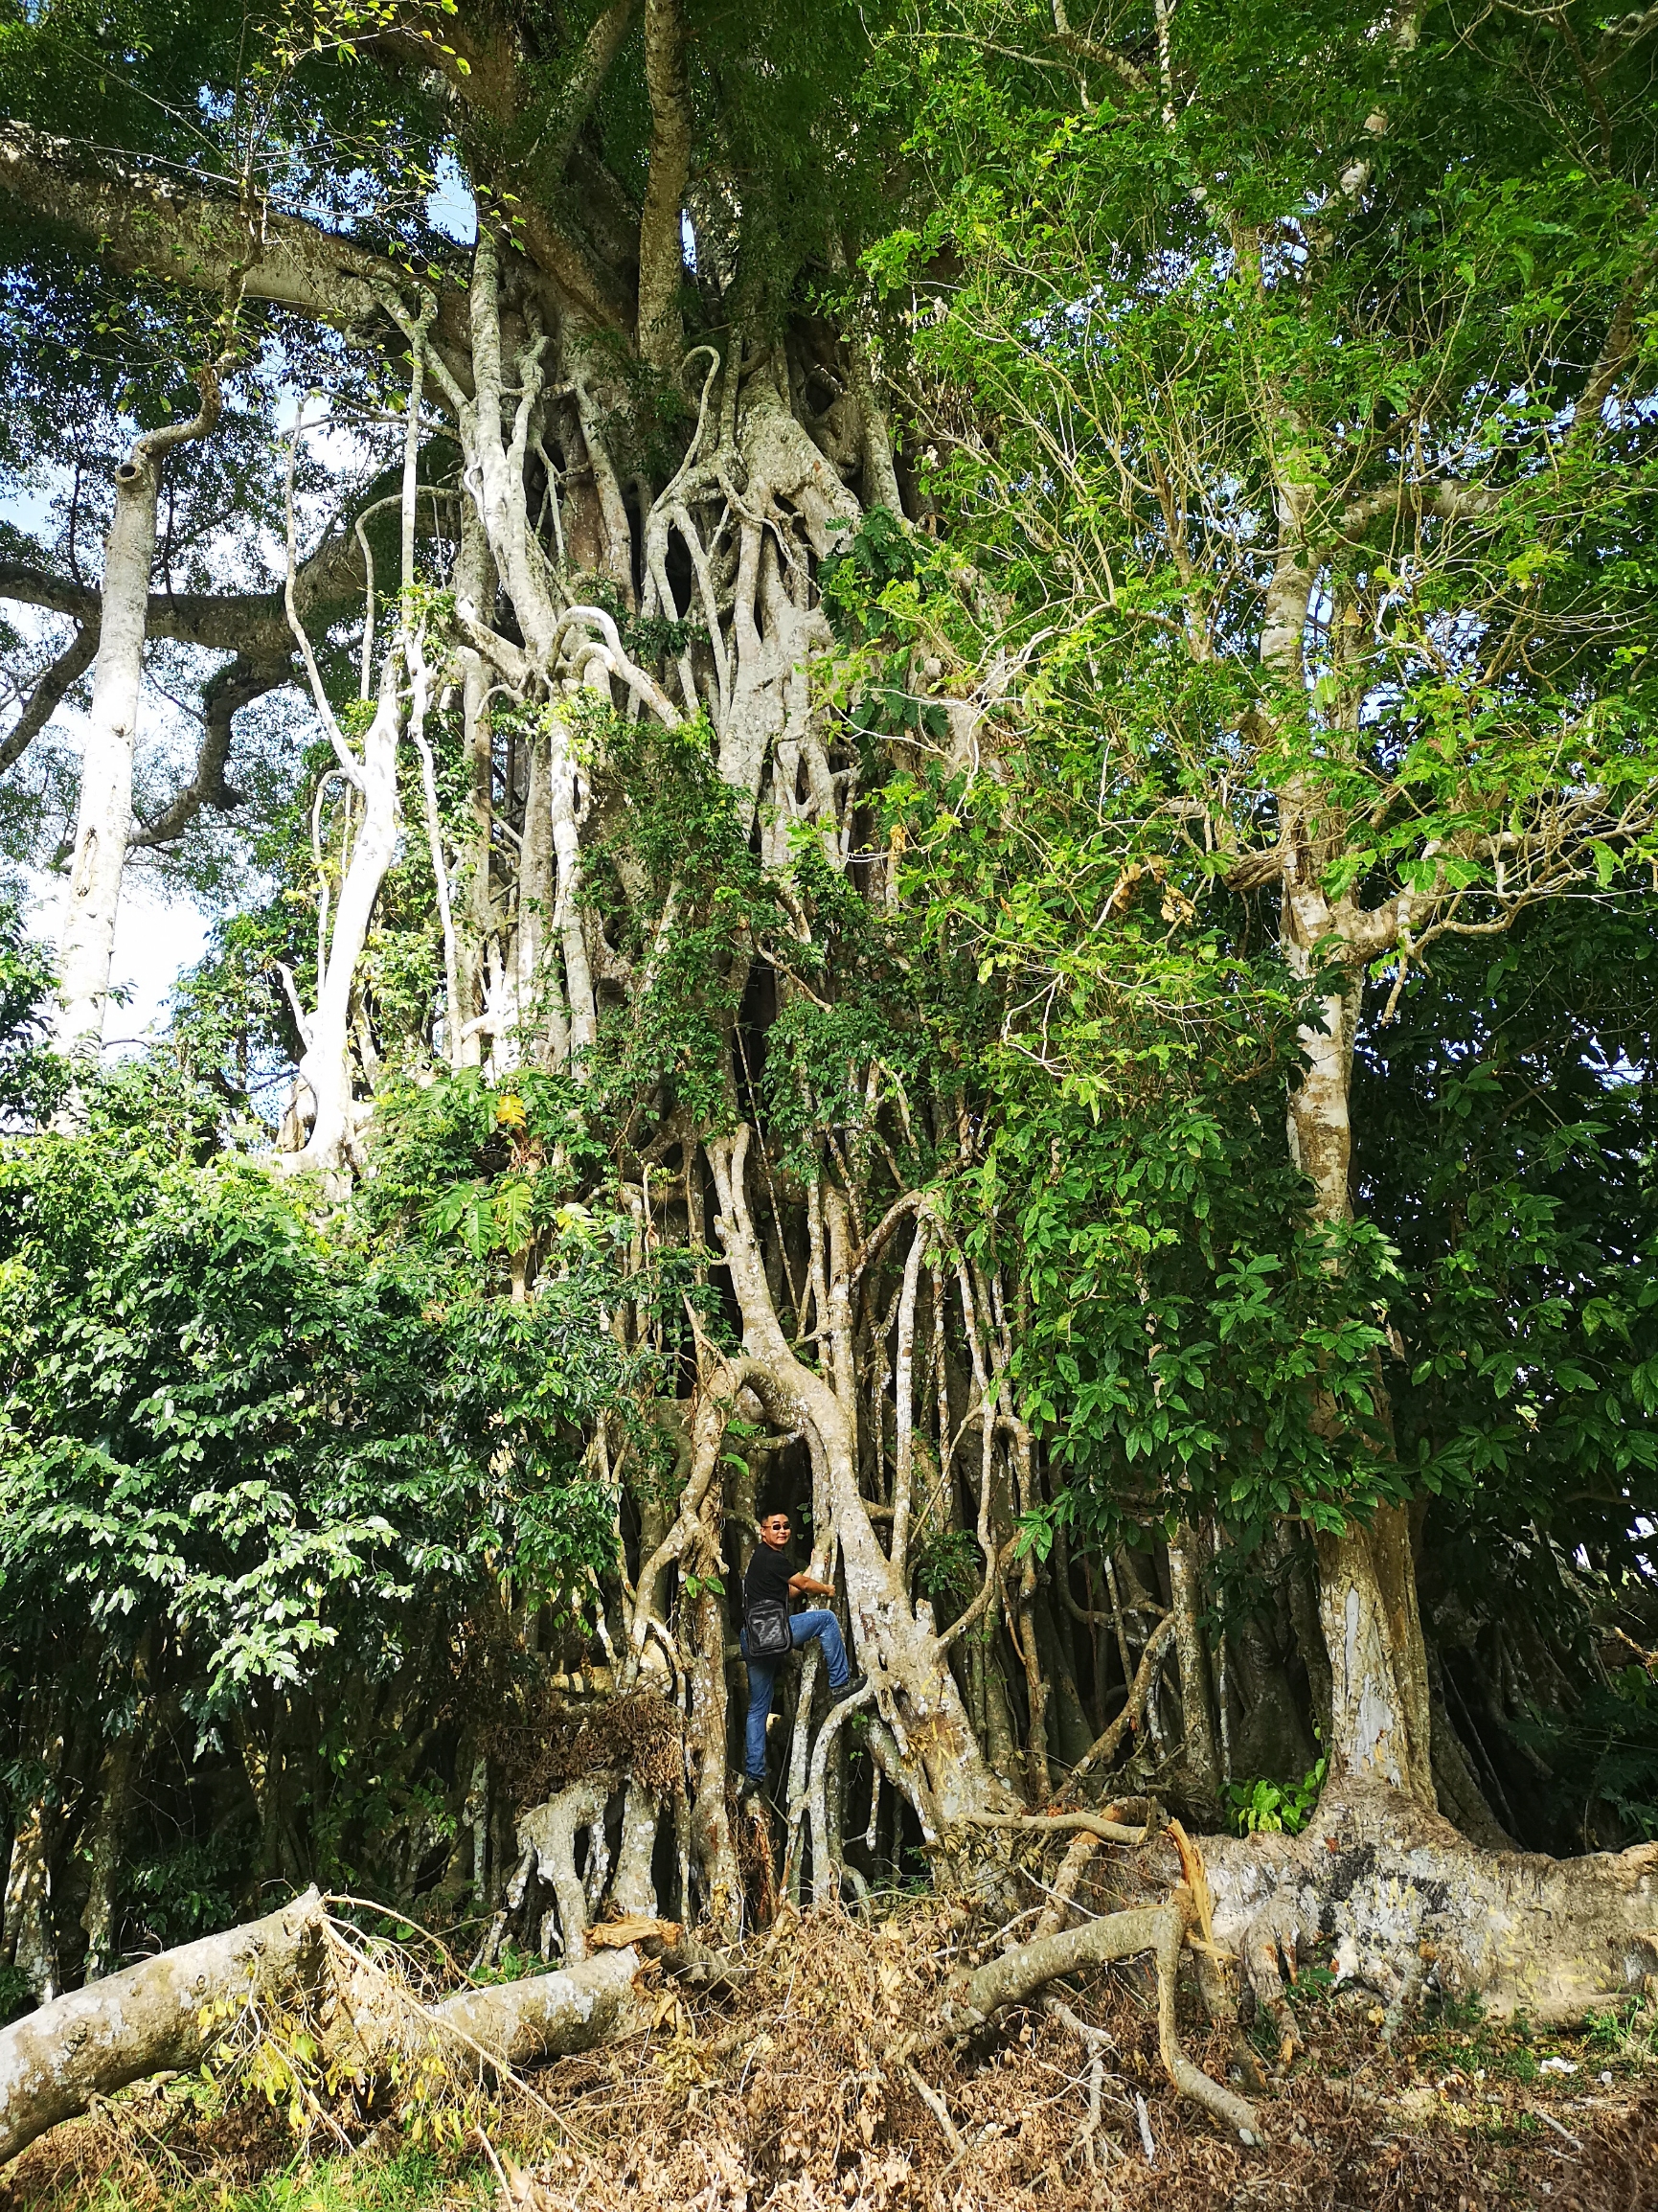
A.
pixel 804 1586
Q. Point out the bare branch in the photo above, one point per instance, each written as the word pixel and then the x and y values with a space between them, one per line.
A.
pixel 49 691
pixel 234 687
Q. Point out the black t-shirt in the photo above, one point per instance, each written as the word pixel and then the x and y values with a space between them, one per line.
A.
pixel 767 1577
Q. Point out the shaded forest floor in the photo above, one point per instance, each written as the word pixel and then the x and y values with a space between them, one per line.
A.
pixel 777 2094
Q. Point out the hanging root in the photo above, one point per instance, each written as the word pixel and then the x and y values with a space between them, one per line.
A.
pixel 551 1832
pixel 1160 1929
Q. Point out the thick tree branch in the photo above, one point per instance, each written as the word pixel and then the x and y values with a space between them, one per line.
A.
pixel 1162 1929
pixel 250 622
pixel 168 2012
pixel 661 246
pixel 1450 501
pixel 71 664
pixel 139 224
pixel 599 51
pixel 485 71
pixel 234 687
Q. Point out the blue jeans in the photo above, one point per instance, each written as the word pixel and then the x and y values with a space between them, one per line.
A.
pixel 762 1678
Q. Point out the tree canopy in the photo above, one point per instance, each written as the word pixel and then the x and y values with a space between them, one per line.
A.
pixel 922 747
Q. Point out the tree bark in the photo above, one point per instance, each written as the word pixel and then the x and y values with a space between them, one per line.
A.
pixel 1409 1902
pixel 546 2016
pixel 1380 1714
pixel 1202 1766
pixel 31 1940
pixel 325 1065
pixel 1380 1725
pixel 103 1871
pixel 168 2013
pixel 661 249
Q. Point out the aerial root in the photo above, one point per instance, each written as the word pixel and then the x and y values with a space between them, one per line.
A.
pixel 1163 1930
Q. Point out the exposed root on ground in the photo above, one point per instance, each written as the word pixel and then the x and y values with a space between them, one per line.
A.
pixel 1413 1907
pixel 901 2029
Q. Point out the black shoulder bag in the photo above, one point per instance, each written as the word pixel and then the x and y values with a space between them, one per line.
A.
pixel 770 1636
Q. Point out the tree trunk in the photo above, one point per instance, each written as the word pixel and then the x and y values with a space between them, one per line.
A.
pixel 545 2017
pixel 945 1770
pixel 1186 1602
pixel 104 815
pixel 709 1820
pixel 103 811
pixel 1380 1722
pixel 325 1066
pixel 475 592
pixel 1380 1725
pixel 103 1871
pixel 31 1940
pixel 168 2013
pixel 1410 1904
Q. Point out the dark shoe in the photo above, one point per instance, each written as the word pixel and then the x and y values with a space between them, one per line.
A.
pixel 752 1787
pixel 850 1688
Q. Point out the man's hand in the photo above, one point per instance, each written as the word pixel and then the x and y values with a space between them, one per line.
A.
pixel 806 1586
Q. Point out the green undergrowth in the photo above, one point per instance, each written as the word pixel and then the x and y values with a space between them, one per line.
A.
pixel 407 2181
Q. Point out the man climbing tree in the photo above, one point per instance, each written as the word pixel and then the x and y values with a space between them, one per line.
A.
pixel 770 1629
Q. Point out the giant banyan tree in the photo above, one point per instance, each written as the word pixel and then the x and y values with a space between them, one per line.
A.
pixel 823 803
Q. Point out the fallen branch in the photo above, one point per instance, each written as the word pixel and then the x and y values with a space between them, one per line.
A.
pixel 166 2013
pixel 548 2015
pixel 940 2111
pixel 169 2014
pixel 1057 1823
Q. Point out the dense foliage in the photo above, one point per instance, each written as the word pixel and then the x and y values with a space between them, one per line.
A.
pixel 1104 607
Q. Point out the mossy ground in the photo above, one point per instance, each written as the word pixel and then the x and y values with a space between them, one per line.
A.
pixel 782 2093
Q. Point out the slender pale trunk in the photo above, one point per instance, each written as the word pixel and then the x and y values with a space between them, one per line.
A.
pixel 535 910
pixel 1368 1610
pixel 1367 1613
pixel 475 923
pixel 104 812
pixel 709 1819
pixel 567 919
pixel 326 1066
pixel 103 817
